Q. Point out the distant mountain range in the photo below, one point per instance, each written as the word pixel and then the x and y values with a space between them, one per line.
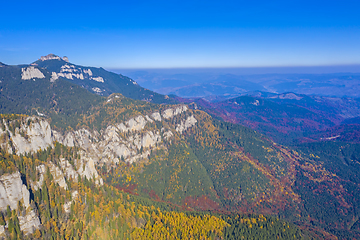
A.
pixel 220 84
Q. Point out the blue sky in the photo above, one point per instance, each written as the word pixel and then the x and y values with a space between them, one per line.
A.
pixel 172 33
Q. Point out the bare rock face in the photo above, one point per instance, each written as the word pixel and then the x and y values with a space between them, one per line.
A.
pixel 54 77
pixel 97 79
pixel 68 169
pixel 58 175
pixel 168 134
pixel 71 72
pixel 65 58
pixel 29 223
pixel 2 231
pixel 170 112
pixel 189 122
pixel 31 138
pixel 31 73
pixel 149 139
pixel 12 190
pixel 50 57
pixel 156 116
pixel 86 168
pixel 136 124
pixel 53 57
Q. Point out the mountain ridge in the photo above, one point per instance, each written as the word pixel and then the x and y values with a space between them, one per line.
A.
pixel 98 80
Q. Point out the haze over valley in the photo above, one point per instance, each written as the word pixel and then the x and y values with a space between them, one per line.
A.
pixel 214 83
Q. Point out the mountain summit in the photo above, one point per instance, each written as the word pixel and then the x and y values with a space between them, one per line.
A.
pixel 53 57
pixel 96 80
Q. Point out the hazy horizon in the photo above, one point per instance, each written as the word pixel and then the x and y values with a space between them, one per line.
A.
pixel 249 70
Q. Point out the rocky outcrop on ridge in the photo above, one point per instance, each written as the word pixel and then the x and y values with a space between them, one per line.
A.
pixel 53 57
pixel 13 191
pixel 31 73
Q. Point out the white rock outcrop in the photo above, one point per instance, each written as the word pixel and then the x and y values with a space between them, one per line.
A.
pixel 256 103
pixel 97 79
pixel 37 135
pixel 53 57
pixel 88 72
pixel 58 175
pixel 129 140
pixel 12 190
pixel 2 231
pixel 54 77
pixel 86 168
pixel 96 89
pixel 156 116
pixel 68 169
pixel 149 139
pixel 136 124
pixel 170 112
pixel 71 72
pixel 184 125
pixel 29 223
pixel 31 73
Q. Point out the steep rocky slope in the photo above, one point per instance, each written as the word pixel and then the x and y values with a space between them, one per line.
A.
pixel 97 80
pixel 12 193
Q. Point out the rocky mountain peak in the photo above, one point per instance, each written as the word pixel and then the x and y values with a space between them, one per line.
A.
pixel 53 57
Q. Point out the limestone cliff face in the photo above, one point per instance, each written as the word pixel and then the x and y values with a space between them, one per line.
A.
pixel 28 137
pixel 31 73
pixel 13 191
pixel 129 141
